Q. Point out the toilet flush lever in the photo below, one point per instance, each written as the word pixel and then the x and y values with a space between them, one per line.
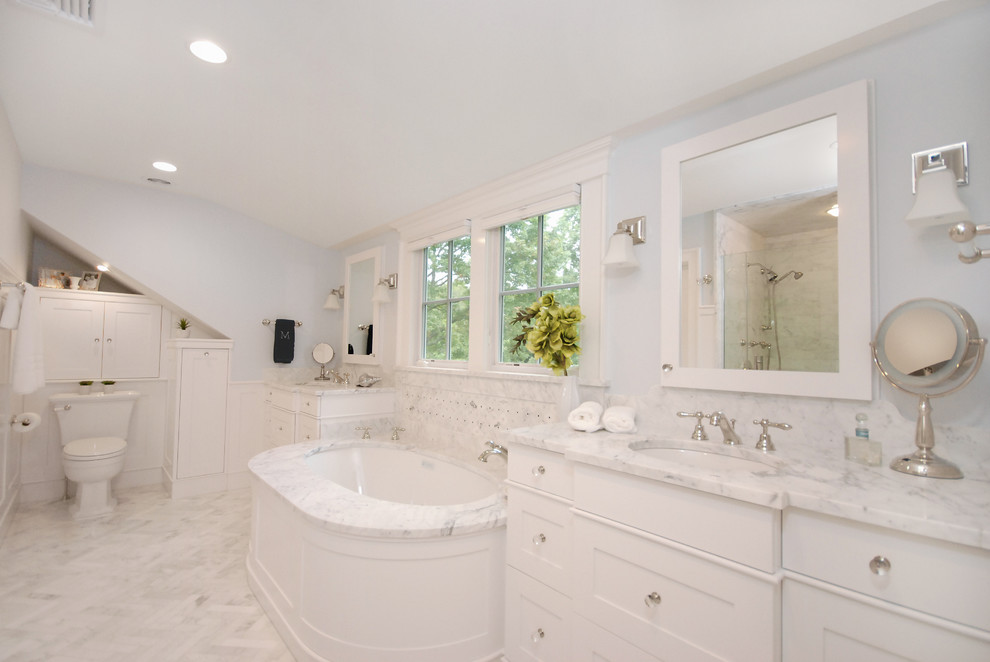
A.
pixel 66 408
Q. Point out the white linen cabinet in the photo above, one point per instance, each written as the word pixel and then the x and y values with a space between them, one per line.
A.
pixel 100 335
pixel 198 373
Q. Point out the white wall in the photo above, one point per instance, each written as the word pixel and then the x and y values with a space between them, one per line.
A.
pixel 221 267
pixel 15 239
pixel 930 90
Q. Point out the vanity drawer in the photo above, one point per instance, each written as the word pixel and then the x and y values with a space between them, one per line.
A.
pixel 736 530
pixel 281 427
pixel 307 429
pixel 541 470
pixel 281 398
pixel 944 579
pixel 672 602
pixel 539 536
pixel 537 621
pixel 593 644
pixel 309 404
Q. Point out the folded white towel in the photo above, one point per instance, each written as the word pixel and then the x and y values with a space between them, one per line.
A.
pixel 620 419
pixel 28 354
pixel 11 309
pixel 587 417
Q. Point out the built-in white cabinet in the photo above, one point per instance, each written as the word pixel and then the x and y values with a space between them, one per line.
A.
pixel 297 414
pixel 100 336
pixel 198 373
pixel 856 592
pixel 538 554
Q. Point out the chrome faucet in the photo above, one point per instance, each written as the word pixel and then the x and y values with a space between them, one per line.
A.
pixel 494 449
pixel 765 444
pixel 395 432
pixel 699 433
pixel 727 426
pixel 367 432
pixel 339 378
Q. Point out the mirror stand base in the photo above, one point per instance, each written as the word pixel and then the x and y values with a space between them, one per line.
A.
pixel 925 463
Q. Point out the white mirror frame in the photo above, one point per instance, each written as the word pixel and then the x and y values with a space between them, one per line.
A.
pixel 853 381
pixel 350 291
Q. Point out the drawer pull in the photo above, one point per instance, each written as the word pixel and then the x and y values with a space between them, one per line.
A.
pixel 539 471
pixel 652 600
pixel 539 539
pixel 879 565
pixel 539 634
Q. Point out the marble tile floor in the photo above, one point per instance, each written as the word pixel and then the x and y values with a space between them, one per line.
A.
pixel 157 580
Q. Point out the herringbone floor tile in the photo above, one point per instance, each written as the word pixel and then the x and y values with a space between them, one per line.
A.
pixel 159 580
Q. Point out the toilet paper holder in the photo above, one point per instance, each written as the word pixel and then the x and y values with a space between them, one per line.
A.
pixel 25 421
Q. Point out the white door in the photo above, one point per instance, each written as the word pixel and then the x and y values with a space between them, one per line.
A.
pixel 202 412
pixel 132 340
pixel 73 337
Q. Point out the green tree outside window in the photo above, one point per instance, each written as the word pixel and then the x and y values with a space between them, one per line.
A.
pixel 446 303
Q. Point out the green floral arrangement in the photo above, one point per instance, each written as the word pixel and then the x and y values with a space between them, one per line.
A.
pixel 550 332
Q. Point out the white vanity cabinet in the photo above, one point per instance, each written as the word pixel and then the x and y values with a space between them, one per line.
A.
pixel 297 414
pixel 669 573
pixel 856 592
pixel 538 555
pixel 198 374
pixel 100 336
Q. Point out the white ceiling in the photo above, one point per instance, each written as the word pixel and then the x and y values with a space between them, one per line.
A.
pixel 335 117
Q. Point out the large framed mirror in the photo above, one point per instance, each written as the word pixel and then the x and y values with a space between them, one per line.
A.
pixel 766 252
pixel 361 343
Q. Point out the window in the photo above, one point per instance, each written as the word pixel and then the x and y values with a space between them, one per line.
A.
pixel 540 255
pixel 447 285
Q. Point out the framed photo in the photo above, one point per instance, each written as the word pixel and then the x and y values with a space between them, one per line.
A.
pixel 90 280
pixel 53 278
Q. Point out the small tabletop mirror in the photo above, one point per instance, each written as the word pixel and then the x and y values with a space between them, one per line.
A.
pixel 929 348
pixel 323 354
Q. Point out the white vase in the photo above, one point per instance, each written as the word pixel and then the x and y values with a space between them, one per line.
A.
pixel 109 388
pixel 570 397
pixel 84 389
pixel 182 333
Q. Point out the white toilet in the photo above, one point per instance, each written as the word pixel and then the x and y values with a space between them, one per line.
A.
pixel 93 429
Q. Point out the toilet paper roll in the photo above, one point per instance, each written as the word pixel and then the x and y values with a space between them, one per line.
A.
pixel 25 422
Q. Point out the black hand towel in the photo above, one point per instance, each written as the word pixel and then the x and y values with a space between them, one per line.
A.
pixel 285 341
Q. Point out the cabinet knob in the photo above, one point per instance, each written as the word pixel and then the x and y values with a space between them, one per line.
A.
pixel 96 340
pixel 205 354
pixel 539 634
pixel 880 565
pixel 539 539
pixel 109 339
pixel 652 600
pixel 539 471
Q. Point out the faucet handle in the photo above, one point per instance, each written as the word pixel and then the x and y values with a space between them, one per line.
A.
pixel 699 429
pixel 395 432
pixel 367 432
pixel 765 444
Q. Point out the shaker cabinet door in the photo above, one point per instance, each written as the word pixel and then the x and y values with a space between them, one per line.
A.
pixel 73 337
pixel 131 340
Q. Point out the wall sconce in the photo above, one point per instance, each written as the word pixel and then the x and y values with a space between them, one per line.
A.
pixel 620 246
pixel 381 289
pixel 333 299
pixel 937 174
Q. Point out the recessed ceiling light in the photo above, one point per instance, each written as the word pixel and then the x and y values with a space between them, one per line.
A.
pixel 102 267
pixel 208 52
pixel 164 166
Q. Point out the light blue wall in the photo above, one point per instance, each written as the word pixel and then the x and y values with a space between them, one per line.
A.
pixel 931 88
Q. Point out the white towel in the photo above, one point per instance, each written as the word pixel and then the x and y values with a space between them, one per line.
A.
pixel 587 417
pixel 619 419
pixel 28 354
pixel 11 309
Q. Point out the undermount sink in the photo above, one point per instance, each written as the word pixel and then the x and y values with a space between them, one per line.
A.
pixel 717 458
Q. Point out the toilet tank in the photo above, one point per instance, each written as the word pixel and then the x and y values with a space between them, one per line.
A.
pixel 93 415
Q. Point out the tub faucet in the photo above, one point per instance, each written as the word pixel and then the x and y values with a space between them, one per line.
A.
pixel 727 426
pixel 367 432
pixel 494 449
pixel 395 433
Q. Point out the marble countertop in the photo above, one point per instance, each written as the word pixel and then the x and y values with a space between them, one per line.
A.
pixel 799 476
pixel 329 388
pixel 330 506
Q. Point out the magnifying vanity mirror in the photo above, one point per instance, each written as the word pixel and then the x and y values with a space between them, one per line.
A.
pixel 928 348
pixel 323 354
pixel 360 313
pixel 765 252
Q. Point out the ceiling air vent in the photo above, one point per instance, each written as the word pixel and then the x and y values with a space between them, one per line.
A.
pixel 77 11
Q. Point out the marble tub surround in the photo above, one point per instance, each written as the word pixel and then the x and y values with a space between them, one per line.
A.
pixel 333 507
pixel 808 470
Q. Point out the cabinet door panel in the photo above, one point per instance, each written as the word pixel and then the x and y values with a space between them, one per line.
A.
pixel 537 621
pixel 820 626
pixel 201 429
pixel 73 337
pixel 132 340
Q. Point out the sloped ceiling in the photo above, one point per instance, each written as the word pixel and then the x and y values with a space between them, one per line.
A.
pixel 333 118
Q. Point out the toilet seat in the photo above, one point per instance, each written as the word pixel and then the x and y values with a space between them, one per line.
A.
pixel 94 448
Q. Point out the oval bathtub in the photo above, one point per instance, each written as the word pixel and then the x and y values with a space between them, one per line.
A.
pixel 371 551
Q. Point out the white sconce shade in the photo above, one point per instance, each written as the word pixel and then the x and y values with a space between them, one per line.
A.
pixel 333 299
pixel 380 294
pixel 937 201
pixel 620 245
